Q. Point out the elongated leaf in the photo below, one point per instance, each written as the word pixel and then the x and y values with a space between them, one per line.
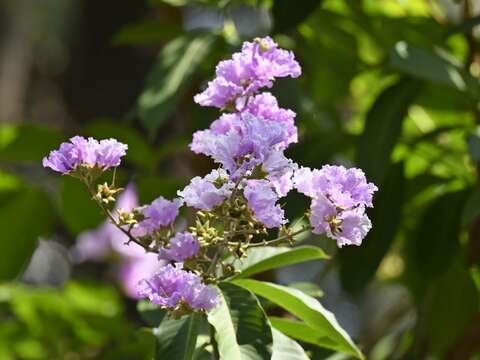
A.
pixel 307 309
pixel 383 127
pixel 176 338
pixel 28 142
pixel 359 264
pixel 24 217
pixel 435 243
pixel 267 258
pixel 285 348
pixel 301 331
pixel 242 330
pixel 166 82
pixel 437 67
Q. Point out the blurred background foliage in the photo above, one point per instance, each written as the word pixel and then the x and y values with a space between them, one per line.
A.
pixel 391 86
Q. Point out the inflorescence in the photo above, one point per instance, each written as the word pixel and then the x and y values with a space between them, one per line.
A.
pixel 237 203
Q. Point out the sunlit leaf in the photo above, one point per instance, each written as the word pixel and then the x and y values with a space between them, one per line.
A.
pixel 176 338
pixel 241 327
pixel 266 258
pixel 307 309
pixel 285 348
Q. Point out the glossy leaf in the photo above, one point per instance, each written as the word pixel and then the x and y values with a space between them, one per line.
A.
pixel 242 330
pixel 23 220
pixel 436 67
pixel 359 263
pixel 166 82
pixel 307 309
pixel 301 331
pixel 266 258
pixel 383 127
pixel 176 338
pixel 285 348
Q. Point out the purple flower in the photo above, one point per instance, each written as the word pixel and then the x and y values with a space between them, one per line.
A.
pixel 171 286
pixel 87 152
pixel 256 66
pixel 109 153
pixel 161 212
pixel 355 226
pixel 183 246
pixel 265 106
pixel 339 197
pixel 280 171
pixel 262 200
pixel 246 136
pixel 208 192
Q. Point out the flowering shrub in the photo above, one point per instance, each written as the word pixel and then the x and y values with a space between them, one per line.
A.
pixel 237 209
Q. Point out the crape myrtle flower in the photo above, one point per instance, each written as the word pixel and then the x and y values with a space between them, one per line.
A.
pixel 207 192
pixel 248 137
pixel 160 213
pixel 339 197
pixel 89 152
pixel 183 246
pixel 256 66
pixel 172 287
pixel 262 200
pixel 279 170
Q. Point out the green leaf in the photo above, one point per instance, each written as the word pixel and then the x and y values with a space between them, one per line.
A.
pixel 28 142
pixel 139 152
pixel 76 208
pixel 242 330
pixel 176 338
pixel 167 81
pixel 307 288
pixel 359 264
pixel 383 127
pixel 448 308
pixel 437 67
pixel 146 32
pixel 306 308
pixel 287 14
pixel 152 314
pixel 266 258
pixel 471 210
pixel 285 348
pixel 23 219
pixel 435 243
pixel 301 331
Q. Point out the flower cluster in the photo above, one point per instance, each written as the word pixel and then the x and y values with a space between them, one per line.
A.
pixel 339 197
pixel 174 288
pixel 236 204
pixel 90 153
